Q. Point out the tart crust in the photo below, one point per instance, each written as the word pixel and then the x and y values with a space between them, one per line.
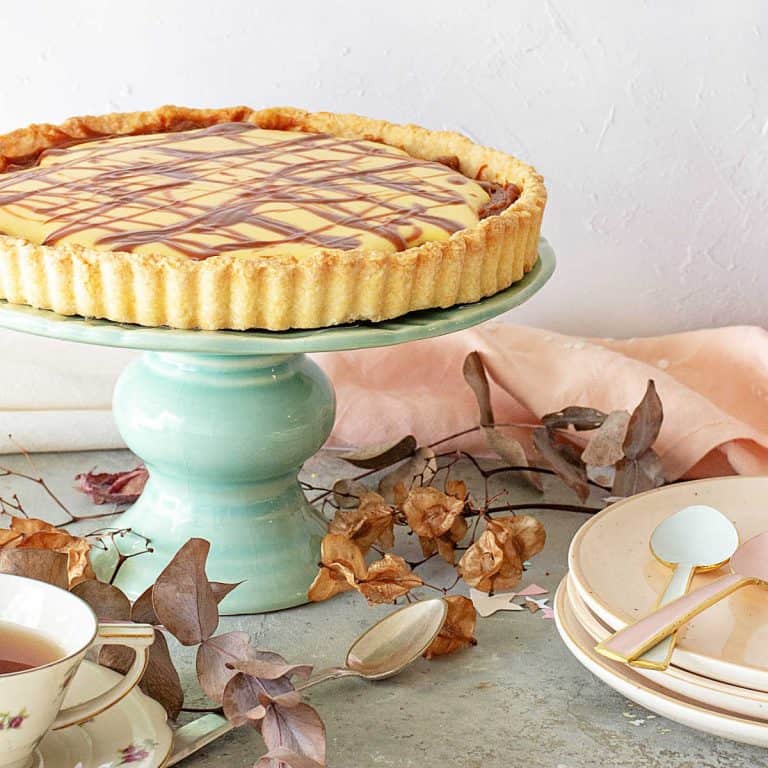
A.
pixel 274 292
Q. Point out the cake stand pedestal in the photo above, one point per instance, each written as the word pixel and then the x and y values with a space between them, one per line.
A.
pixel 224 420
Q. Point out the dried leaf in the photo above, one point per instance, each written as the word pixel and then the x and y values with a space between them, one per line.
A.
pixel 605 446
pixel 342 566
pixel 297 728
pixel 41 564
pixel 638 475
pixel 437 519
pixel 458 630
pixel 7 536
pixel 573 475
pixel 495 560
pixel 143 611
pixel 419 470
pixel 243 694
pixel 347 493
pixel 41 535
pixel 373 521
pixel 269 666
pixel 575 416
pixel 182 597
pixel 221 589
pixel 387 579
pixel 28 525
pixel 282 756
pixel 524 532
pixel 474 375
pixel 381 456
pixel 481 562
pixel 113 487
pixel 107 601
pixel 430 512
pixel 213 656
pixel 161 680
pixel 644 425
pixel 510 450
pixel 457 489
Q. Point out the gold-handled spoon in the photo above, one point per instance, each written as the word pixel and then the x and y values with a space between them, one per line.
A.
pixel 696 538
pixel 381 651
pixel 749 565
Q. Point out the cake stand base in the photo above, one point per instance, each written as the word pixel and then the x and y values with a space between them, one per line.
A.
pixel 224 420
pixel 223 438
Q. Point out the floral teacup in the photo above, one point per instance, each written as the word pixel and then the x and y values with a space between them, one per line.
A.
pixel 30 700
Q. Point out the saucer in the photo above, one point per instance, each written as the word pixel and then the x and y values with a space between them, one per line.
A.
pixel 740 701
pixel 132 733
pixel 615 574
pixel 626 681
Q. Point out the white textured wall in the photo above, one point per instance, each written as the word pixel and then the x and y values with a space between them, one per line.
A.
pixel 649 120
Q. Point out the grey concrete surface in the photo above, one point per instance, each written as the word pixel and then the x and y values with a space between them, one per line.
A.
pixel 517 699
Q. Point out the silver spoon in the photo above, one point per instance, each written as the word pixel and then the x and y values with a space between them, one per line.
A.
pixel 381 651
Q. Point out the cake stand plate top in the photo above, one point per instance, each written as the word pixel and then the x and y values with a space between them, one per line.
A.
pixel 411 327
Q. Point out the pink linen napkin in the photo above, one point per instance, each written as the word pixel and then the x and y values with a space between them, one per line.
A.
pixel 713 385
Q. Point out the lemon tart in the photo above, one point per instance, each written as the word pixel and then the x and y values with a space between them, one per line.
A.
pixel 272 219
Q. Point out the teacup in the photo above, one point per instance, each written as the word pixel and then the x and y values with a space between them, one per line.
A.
pixel 31 699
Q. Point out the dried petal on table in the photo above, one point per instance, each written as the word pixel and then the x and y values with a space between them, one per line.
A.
pixel 458 631
pixel 113 487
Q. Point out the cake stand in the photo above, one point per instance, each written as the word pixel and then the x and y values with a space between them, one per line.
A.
pixel 224 420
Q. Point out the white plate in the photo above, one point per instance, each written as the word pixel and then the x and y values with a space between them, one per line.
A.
pixel 731 698
pixel 134 733
pixel 616 575
pixel 626 681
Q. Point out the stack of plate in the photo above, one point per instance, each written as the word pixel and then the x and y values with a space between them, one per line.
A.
pixel 718 679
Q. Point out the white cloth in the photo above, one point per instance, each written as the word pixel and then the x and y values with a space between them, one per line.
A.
pixel 57 395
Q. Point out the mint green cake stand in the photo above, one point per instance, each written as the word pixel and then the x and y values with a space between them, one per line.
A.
pixel 224 420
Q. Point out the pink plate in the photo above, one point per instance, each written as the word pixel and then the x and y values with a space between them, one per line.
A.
pixel 629 683
pixel 616 575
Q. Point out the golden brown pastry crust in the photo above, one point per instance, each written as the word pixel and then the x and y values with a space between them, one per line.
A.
pixel 324 288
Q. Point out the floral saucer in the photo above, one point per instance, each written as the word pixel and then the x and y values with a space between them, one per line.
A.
pixel 132 733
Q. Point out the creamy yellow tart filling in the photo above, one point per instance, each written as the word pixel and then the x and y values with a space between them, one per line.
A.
pixel 234 188
pixel 237 218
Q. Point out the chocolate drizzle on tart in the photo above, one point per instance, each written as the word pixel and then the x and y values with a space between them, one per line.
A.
pixel 173 190
pixel 349 218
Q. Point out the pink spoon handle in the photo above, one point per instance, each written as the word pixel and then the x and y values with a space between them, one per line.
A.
pixel 629 643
